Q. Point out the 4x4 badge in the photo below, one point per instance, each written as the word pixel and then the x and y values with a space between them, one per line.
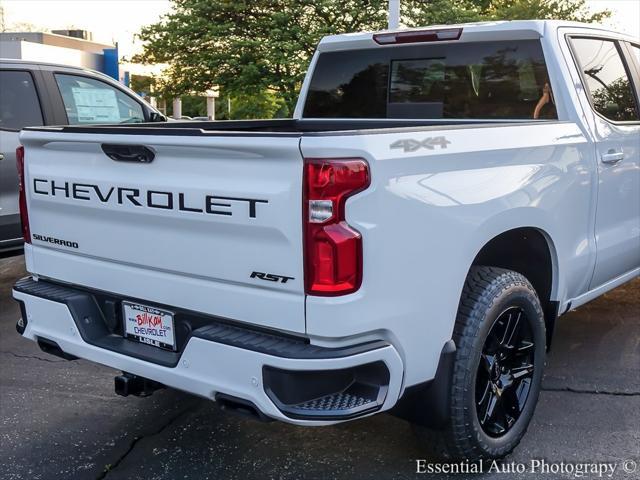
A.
pixel 411 145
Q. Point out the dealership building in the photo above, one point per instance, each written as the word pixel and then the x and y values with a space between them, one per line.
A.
pixel 68 47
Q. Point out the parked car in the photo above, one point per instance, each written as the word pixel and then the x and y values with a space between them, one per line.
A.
pixel 405 243
pixel 37 94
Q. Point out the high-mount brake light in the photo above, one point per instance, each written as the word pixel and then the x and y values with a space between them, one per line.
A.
pixel 418 36
pixel 22 195
pixel 332 248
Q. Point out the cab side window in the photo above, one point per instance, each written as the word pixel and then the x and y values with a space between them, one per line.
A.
pixel 606 78
pixel 19 105
pixel 90 101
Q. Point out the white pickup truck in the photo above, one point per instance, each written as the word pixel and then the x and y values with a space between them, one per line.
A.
pixel 405 243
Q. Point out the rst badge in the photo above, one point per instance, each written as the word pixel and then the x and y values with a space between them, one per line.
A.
pixel 270 277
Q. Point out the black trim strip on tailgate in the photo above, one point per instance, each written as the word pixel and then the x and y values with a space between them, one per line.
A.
pixel 91 311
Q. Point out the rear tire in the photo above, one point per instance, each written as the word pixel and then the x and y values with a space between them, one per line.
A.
pixel 501 345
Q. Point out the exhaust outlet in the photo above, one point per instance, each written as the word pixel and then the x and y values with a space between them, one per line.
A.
pixel 240 406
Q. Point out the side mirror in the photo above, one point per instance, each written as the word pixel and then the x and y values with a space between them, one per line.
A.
pixel 611 108
pixel 157 117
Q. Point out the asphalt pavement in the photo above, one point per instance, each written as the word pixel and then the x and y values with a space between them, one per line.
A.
pixel 62 419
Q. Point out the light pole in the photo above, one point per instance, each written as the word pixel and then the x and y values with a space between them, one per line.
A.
pixel 394 14
pixel 211 101
pixel 177 108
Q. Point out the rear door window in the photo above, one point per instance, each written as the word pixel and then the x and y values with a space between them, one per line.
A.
pixel 90 101
pixel 19 104
pixel 635 50
pixel 480 80
pixel 634 63
pixel 605 78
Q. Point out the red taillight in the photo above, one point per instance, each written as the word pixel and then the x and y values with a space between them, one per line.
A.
pixel 332 249
pixel 22 199
pixel 418 36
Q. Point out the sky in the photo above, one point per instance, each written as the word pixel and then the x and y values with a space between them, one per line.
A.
pixel 119 20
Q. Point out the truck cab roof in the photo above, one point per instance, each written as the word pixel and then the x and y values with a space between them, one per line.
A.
pixel 476 31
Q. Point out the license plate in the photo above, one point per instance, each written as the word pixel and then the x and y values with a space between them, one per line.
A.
pixel 149 325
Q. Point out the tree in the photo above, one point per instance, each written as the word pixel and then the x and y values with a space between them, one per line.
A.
pixel 249 47
pixel 615 100
pixel 5 26
pixel 576 10
pixel 258 50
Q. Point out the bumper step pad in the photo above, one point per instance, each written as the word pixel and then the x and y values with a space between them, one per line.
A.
pixel 329 394
pixel 335 401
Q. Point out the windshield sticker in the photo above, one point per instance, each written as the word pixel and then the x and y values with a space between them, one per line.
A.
pixel 96 105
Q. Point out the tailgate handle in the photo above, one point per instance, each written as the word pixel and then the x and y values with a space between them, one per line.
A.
pixel 128 153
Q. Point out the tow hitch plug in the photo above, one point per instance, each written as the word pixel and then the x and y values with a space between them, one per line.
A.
pixel 129 384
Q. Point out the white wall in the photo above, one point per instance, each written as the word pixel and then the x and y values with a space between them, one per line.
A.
pixel 49 53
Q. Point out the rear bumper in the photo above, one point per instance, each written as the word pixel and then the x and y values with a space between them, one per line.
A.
pixel 284 377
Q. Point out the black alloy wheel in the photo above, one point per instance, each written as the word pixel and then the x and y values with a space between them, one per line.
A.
pixel 505 372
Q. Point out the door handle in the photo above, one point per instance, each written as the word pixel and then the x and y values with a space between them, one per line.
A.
pixel 612 157
pixel 1 156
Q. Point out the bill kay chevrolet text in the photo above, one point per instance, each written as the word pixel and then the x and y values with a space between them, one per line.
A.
pixel 405 243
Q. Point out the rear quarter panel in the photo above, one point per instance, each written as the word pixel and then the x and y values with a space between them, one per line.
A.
pixel 428 212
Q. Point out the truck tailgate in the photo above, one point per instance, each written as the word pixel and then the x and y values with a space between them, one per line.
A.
pixel 207 225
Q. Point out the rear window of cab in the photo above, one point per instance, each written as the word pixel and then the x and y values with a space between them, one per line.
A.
pixel 480 80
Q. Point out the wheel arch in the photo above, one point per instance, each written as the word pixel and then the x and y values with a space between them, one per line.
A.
pixel 531 252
